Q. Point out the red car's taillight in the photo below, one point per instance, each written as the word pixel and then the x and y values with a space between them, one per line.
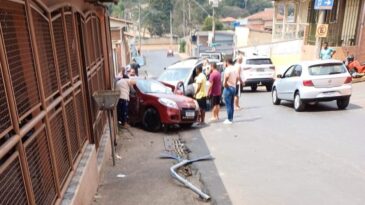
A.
pixel 348 80
pixel 308 83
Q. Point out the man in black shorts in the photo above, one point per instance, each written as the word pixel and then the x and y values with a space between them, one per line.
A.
pixel 215 90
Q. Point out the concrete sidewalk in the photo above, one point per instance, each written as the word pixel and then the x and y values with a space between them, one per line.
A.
pixel 140 177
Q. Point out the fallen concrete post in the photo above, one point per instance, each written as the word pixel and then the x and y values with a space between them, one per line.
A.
pixel 182 163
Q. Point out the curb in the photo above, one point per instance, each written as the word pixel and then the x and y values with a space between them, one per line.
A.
pixel 358 80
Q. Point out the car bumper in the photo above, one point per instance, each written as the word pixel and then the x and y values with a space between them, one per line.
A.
pixel 259 81
pixel 174 116
pixel 325 94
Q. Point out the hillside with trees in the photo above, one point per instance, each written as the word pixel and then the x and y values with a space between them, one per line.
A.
pixel 188 15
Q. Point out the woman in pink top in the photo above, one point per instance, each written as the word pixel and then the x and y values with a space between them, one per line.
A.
pixel 230 81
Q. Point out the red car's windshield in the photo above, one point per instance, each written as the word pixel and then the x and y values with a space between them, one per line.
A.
pixel 152 86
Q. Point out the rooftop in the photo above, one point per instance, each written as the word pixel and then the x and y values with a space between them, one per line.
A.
pixel 266 15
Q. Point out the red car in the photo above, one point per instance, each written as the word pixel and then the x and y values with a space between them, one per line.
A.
pixel 155 105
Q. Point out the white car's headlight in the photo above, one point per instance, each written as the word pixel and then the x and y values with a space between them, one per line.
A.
pixel 196 105
pixel 168 103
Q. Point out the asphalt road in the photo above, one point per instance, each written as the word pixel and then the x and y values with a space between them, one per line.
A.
pixel 156 61
pixel 273 155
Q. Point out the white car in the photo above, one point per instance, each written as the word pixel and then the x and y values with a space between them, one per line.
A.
pixel 259 71
pixel 314 81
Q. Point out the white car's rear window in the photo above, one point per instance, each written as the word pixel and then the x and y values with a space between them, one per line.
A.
pixel 327 69
pixel 259 61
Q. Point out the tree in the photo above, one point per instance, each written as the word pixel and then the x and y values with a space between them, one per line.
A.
pixel 254 6
pixel 238 3
pixel 208 23
pixel 158 21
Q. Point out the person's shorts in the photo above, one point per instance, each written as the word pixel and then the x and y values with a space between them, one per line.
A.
pixel 216 100
pixel 202 103
pixel 237 90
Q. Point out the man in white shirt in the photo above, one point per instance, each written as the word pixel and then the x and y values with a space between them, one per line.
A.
pixel 124 86
pixel 230 81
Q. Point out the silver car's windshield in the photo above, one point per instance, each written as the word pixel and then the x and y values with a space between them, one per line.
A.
pixel 172 75
pixel 152 86
pixel 327 69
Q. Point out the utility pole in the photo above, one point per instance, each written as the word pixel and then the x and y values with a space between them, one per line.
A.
pixel 213 26
pixel 171 38
pixel 321 16
pixel 184 18
pixel 139 25
pixel 189 6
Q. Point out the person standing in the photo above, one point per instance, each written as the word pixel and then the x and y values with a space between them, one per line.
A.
pixel 123 85
pixel 215 90
pixel 326 52
pixel 200 93
pixel 239 68
pixel 229 82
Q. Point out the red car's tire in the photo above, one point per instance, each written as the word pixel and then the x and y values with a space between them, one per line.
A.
pixel 151 120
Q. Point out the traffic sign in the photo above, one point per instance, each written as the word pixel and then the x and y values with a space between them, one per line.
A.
pixel 322 30
pixel 323 4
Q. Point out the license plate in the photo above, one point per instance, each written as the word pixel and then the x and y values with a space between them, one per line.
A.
pixel 190 114
pixel 260 69
pixel 330 94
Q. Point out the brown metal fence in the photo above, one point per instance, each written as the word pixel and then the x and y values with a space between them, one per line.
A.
pixel 50 64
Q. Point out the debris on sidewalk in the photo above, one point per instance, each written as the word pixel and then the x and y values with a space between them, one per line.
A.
pixel 121 175
pixel 174 149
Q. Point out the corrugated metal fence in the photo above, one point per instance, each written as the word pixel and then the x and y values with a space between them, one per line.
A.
pixel 51 63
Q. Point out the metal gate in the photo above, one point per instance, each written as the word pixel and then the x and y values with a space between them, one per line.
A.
pixel 51 63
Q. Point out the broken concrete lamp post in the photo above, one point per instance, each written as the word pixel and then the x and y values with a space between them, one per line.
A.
pixel 181 163
pixel 107 100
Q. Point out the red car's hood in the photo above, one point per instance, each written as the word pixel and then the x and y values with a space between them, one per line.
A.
pixel 181 101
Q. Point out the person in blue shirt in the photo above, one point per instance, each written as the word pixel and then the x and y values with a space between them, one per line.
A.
pixel 326 53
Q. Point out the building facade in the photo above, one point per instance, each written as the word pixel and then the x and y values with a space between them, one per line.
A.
pixel 54 54
pixel 346 31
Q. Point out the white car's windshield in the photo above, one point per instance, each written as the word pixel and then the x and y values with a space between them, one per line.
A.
pixel 152 86
pixel 172 75
pixel 258 61
pixel 327 69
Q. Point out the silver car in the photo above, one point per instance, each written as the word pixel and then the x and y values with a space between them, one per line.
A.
pixel 312 82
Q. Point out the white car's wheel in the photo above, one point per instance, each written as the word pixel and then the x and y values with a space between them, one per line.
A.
pixel 298 103
pixel 343 103
pixel 275 99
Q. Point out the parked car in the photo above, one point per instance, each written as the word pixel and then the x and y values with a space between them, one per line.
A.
pixel 259 71
pixel 154 105
pixel 312 82
pixel 181 76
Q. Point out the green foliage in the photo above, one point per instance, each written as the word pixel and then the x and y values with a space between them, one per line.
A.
pixel 158 20
pixel 254 6
pixel 233 11
pixel 182 46
pixel 208 23
pixel 237 3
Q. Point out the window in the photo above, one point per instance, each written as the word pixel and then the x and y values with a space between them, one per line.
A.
pixel 327 69
pixel 259 61
pixel 297 72
pixel 289 72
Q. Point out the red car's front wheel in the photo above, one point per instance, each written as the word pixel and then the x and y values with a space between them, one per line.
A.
pixel 151 120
